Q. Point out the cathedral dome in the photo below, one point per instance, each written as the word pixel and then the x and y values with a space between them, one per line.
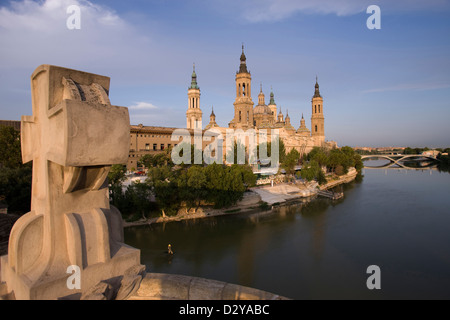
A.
pixel 262 110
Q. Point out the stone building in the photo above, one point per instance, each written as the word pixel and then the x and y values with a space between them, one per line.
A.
pixel 246 116
pixel 264 116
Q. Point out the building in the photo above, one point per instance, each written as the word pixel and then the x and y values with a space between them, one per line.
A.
pixel 10 123
pixel 246 117
pixel 262 116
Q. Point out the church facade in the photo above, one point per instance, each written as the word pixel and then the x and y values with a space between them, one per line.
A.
pixel 247 117
pixel 269 116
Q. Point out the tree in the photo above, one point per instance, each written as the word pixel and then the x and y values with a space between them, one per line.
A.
pixel 15 188
pixel 159 159
pixel 290 161
pixel 117 174
pixel 196 184
pixel 312 171
pixel 10 149
pixel 138 194
pixel 15 177
pixel 164 184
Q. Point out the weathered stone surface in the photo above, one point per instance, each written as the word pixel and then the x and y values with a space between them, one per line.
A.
pixel 205 289
pixel 130 282
pixel 159 286
pixel 101 291
pixel 164 286
pixel 73 138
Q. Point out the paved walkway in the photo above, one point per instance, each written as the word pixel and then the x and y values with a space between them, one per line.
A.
pixel 282 192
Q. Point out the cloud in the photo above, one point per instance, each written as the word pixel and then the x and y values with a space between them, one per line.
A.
pixel 276 10
pixel 142 106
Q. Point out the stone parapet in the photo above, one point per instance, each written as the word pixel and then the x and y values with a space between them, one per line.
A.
pixel 162 286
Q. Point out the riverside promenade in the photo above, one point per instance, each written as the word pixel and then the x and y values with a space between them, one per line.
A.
pixel 283 192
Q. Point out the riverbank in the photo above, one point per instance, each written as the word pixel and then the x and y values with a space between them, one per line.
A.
pixel 260 198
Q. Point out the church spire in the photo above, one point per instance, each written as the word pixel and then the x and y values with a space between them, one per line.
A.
pixel 316 90
pixel 243 65
pixel 194 79
pixel 272 99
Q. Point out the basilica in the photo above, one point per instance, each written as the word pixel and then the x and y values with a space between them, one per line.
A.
pixel 262 116
pixel 247 117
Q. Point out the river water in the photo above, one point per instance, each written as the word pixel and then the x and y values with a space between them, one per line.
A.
pixel 398 220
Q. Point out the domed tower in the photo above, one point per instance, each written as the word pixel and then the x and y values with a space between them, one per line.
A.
pixel 317 118
pixel 212 120
pixel 303 130
pixel 194 113
pixel 261 97
pixel 287 123
pixel 280 120
pixel 243 104
pixel 273 106
pixel 262 115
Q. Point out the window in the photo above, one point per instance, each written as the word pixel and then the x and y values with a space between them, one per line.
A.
pixel 315 109
pixel 239 116
pixel 154 147
pixel 248 116
pixel 243 89
pixel 168 146
pixel 319 108
pixel 316 128
pixel 162 146
pixel 147 146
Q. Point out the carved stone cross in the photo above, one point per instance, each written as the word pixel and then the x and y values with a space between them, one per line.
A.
pixel 73 138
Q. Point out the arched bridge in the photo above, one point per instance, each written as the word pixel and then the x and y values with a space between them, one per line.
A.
pixel 397 159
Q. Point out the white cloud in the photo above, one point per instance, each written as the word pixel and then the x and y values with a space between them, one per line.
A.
pixel 142 106
pixel 276 10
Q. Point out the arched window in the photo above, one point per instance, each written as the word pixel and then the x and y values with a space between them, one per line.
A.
pixel 315 109
pixel 240 116
pixel 316 127
pixel 243 89
pixel 319 108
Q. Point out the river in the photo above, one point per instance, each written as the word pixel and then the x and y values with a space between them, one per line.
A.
pixel 398 220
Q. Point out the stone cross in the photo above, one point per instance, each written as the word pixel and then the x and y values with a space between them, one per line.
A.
pixel 73 138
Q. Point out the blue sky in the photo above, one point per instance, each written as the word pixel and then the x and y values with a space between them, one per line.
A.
pixel 387 87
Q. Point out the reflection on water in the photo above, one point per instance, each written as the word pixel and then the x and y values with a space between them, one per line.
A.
pixel 395 219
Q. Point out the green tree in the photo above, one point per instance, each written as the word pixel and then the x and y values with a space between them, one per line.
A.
pixel 164 184
pixel 290 161
pixel 15 188
pixel 15 177
pixel 312 171
pixel 196 184
pixel 117 174
pixel 139 197
pixel 159 159
pixel 10 149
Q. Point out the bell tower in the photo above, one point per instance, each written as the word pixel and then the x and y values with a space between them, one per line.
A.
pixel 317 118
pixel 194 113
pixel 243 104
